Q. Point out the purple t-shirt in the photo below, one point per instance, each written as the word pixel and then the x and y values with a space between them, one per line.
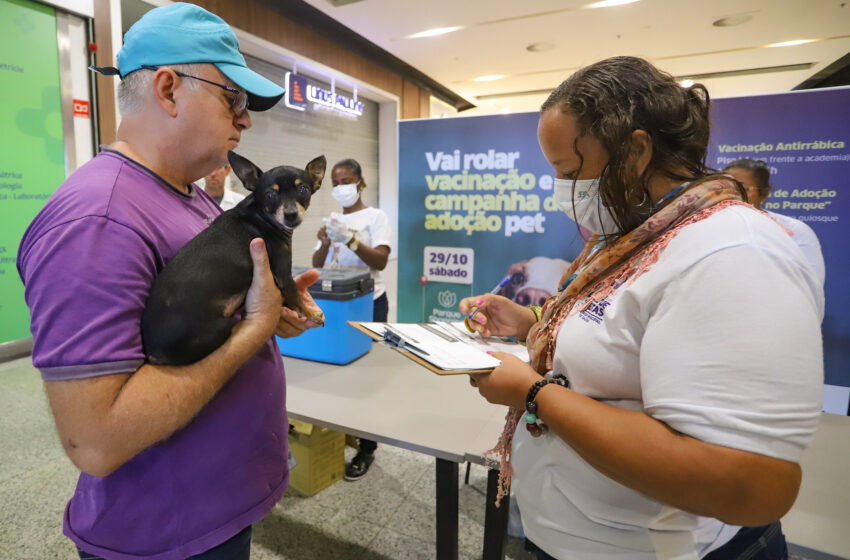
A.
pixel 87 261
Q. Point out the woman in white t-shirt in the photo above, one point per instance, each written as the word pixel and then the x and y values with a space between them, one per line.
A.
pixel 668 399
pixel 359 237
pixel 754 176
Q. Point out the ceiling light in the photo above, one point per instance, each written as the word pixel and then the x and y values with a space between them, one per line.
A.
pixel 731 21
pixel 434 32
pixel 609 3
pixel 540 47
pixel 687 82
pixel 489 78
pixel 791 43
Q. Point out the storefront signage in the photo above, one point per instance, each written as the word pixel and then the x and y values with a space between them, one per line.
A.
pixel 295 87
pixel 300 93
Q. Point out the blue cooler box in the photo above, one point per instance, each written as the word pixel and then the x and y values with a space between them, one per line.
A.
pixel 344 295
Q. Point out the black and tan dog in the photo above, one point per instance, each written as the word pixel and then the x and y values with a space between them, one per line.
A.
pixel 189 311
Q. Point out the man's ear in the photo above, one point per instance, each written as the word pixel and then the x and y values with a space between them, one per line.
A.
pixel 164 83
pixel 316 169
pixel 640 151
pixel 247 172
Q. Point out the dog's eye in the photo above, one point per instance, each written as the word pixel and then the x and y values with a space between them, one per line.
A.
pixel 304 190
pixel 271 195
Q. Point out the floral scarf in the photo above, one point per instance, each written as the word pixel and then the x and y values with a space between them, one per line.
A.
pixel 623 262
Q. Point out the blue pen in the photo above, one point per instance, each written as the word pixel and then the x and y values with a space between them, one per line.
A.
pixel 467 320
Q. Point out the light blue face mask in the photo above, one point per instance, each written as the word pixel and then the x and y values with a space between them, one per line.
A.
pixel 580 200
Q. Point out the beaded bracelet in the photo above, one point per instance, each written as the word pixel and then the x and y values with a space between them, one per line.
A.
pixel 530 415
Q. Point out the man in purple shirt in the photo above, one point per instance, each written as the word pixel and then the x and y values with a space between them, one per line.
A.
pixel 176 462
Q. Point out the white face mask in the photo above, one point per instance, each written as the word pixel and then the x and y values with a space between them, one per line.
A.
pixel 347 194
pixel 589 210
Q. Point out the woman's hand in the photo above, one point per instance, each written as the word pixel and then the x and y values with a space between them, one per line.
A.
pixel 507 384
pixel 322 236
pixel 293 323
pixel 498 316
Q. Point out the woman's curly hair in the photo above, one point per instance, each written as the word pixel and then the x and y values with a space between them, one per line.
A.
pixel 615 97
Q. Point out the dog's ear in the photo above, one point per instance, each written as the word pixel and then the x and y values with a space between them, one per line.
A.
pixel 316 169
pixel 247 172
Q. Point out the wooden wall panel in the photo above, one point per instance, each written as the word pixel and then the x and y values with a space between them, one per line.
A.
pixel 410 101
pixel 424 104
pixel 106 109
pixel 259 20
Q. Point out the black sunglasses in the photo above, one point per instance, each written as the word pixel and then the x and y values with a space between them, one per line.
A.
pixel 237 104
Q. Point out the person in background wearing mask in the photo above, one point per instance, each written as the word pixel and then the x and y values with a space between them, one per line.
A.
pixel 217 185
pixel 359 237
pixel 667 403
pixel 754 175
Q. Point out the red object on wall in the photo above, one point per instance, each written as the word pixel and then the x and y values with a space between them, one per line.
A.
pixel 81 108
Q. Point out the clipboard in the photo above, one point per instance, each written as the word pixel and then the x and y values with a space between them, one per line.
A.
pixel 415 357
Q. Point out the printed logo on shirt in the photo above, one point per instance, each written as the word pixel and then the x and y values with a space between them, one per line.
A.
pixel 595 312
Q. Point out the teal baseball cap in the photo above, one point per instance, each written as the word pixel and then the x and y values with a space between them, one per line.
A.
pixel 182 33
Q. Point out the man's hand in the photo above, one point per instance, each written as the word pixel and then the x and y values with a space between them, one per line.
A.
pixel 291 323
pixel 263 298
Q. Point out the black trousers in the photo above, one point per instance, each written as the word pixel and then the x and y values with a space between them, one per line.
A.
pixel 235 548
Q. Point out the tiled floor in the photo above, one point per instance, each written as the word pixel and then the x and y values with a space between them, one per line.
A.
pixel 388 515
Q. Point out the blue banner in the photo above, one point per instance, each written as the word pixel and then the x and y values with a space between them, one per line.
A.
pixel 804 137
pixel 476 205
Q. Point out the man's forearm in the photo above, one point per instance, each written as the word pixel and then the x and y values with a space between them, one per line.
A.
pixel 104 422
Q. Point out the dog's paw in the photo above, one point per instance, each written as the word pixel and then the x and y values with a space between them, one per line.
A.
pixel 316 317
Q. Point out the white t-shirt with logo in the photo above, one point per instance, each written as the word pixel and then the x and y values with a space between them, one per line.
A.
pixel 720 339
pixel 372 228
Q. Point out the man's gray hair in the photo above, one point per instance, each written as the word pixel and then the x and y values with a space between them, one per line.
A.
pixel 133 88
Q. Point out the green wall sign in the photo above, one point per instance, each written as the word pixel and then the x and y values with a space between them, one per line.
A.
pixel 32 160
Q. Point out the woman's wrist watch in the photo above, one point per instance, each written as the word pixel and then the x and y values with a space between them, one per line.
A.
pixel 353 244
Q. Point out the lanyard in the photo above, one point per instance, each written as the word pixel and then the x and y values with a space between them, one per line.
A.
pixel 669 195
pixel 569 280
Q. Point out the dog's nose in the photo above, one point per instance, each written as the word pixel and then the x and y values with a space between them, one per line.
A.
pixel 290 216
